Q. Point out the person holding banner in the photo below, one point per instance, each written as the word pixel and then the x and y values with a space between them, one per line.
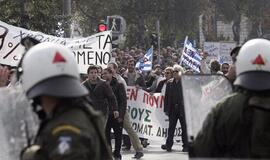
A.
pixel 161 87
pixel 174 108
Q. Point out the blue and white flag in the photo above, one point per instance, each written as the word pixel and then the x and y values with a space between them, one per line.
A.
pixel 145 63
pixel 190 56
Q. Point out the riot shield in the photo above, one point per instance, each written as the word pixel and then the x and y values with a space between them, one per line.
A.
pixel 201 93
pixel 17 122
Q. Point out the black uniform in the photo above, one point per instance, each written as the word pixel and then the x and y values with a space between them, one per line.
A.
pixel 174 108
pixel 73 131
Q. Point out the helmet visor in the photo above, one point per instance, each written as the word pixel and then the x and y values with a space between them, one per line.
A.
pixel 254 81
pixel 62 86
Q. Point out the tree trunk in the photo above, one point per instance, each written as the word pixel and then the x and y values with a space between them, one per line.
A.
pixel 236 29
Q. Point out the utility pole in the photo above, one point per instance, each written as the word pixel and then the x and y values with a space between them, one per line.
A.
pixel 141 19
pixel 24 17
pixel 66 15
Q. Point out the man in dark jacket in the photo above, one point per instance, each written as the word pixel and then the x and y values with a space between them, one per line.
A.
pixel 162 84
pixel 70 129
pixel 127 123
pixel 238 127
pixel 116 123
pixel 100 93
pixel 174 108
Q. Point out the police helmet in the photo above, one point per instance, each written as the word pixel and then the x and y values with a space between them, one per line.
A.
pixel 50 69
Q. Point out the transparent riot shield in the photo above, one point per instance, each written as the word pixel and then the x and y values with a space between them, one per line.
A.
pixel 17 122
pixel 201 93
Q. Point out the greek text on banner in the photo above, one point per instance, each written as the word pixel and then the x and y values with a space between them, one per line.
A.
pixel 147 116
pixel 95 49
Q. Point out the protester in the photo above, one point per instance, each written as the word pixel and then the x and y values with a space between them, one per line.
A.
pixel 99 70
pixel 114 67
pixel 174 108
pixel 231 75
pixel 157 74
pixel 135 141
pixel 116 123
pixel 161 87
pixel 224 68
pixel 4 76
pixel 100 93
pixel 70 129
pixel 133 78
pixel 238 127
pixel 215 67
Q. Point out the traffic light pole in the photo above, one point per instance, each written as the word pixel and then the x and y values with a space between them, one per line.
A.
pixel 158 34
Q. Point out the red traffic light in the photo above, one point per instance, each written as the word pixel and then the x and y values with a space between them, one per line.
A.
pixel 102 27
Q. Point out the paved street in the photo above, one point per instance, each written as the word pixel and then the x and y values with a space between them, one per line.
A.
pixel 154 152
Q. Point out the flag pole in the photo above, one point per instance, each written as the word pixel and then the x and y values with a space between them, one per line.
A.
pixel 181 59
pixel 152 57
pixel 158 33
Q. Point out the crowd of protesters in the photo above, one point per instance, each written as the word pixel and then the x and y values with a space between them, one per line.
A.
pixel 169 57
pixel 107 91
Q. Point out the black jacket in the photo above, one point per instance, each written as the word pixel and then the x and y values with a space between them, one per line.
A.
pixel 101 96
pixel 160 86
pixel 121 96
pixel 173 100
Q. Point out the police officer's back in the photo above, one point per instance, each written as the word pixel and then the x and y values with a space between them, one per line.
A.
pixel 239 126
pixel 70 129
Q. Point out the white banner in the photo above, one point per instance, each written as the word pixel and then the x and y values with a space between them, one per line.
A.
pixel 225 50
pixel 95 49
pixel 147 115
pixel 219 50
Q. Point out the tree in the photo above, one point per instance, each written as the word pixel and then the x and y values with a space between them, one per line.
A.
pixel 32 14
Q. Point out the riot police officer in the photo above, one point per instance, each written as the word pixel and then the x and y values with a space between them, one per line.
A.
pixel 238 127
pixel 70 129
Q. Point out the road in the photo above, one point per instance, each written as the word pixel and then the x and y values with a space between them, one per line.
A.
pixel 154 152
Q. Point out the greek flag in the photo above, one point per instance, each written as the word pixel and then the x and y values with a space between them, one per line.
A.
pixel 145 63
pixel 190 56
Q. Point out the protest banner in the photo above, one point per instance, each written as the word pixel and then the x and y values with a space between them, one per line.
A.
pixel 95 49
pixel 225 50
pixel 190 56
pixel 219 51
pixel 147 115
